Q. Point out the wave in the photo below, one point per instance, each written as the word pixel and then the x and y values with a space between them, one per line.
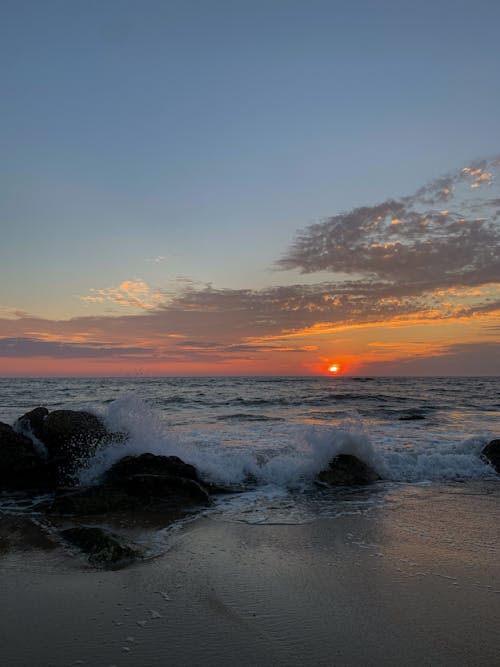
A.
pixel 283 453
pixel 281 401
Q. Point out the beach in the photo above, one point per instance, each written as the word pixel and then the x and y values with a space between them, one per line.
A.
pixel 413 580
pixel 250 334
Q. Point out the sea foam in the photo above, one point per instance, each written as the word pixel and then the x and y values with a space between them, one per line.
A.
pixel 284 454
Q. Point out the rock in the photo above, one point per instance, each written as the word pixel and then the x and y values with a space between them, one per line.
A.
pixel 20 465
pixel 67 432
pixel 165 490
pixel 158 480
pixel 151 464
pixel 348 470
pixel 491 454
pixel 72 438
pixel 101 546
pixel 134 492
pixel 32 422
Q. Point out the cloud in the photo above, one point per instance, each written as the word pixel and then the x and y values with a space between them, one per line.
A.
pixel 33 347
pixel 132 293
pixel 180 352
pixel 13 313
pixel 429 258
pixel 446 234
pixel 295 307
pixel 243 323
pixel 210 346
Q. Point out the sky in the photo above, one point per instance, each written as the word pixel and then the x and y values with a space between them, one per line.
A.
pixel 248 187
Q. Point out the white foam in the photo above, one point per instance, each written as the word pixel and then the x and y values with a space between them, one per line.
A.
pixel 23 428
pixel 433 463
pixel 284 454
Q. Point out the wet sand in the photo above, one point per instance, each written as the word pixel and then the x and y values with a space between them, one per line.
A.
pixel 413 582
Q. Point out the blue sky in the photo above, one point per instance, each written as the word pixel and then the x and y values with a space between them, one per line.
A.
pixel 203 134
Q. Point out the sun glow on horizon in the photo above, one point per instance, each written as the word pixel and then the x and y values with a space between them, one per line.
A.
pixel 334 369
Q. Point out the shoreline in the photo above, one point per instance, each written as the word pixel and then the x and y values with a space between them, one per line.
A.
pixel 403 584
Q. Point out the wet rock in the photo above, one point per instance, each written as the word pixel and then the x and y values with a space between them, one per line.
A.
pixel 71 433
pixel 491 454
pixel 134 492
pixel 348 470
pixel 32 422
pixel 20 465
pixel 158 480
pixel 164 490
pixel 102 547
pixel 151 464
pixel 71 438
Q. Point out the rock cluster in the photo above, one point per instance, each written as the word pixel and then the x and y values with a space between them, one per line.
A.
pixel 148 482
pixel 43 451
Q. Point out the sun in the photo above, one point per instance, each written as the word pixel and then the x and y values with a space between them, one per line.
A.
pixel 334 368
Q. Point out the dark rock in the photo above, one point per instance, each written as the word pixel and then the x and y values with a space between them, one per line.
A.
pixel 32 422
pixel 348 470
pixel 20 465
pixel 72 438
pixel 135 492
pixel 102 547
pixel 151 464
pixel 70 432
pixel 164 490
pixel 158 480
pixel 93 500
pixel 491 454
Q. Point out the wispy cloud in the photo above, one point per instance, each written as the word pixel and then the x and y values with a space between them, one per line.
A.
pixel 446 234
pixel 33 347
pixel 131 293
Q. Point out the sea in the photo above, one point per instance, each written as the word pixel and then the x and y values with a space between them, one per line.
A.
pixel 268 437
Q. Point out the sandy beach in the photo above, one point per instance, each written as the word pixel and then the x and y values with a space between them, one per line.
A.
pixel 415 581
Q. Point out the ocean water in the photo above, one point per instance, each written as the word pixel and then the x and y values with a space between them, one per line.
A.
pixel 282 431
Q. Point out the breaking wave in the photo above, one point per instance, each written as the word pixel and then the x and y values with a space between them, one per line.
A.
pixel 275 451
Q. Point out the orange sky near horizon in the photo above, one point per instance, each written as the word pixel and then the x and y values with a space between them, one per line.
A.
pixel 411 288
pixel 390 348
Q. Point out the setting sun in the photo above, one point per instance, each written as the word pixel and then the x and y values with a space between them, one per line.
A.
pixel 334 368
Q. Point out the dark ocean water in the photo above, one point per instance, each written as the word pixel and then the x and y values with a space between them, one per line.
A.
pixel 284 430
pixel 415 417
